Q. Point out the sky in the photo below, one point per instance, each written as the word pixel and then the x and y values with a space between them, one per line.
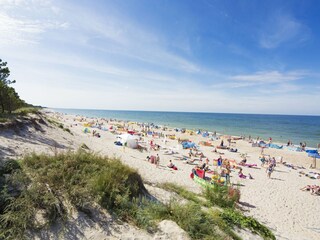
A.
pixel 165 55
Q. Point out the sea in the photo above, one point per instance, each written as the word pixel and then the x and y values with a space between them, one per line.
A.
pixel 281 128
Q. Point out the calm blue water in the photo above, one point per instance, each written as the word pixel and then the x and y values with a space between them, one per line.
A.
pixel 280 127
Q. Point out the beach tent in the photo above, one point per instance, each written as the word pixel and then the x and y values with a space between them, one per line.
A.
pixel 271 145
pixel 128 140
pixel 205 134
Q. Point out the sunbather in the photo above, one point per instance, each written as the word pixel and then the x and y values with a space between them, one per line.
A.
pixel 170 164
pixel 308 187
pixel 189 161
pixel 241 175
pixel 243 162
pixel 315 191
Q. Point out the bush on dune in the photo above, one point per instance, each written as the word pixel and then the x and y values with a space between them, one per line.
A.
pixel 222 196
pixel 86 177
pixel 47 182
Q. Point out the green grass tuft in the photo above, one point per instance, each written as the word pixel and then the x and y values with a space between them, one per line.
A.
pixel 236 218
pixel 26 110
pixel 191 196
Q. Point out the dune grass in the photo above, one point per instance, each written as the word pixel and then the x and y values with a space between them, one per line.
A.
pixel 26 110
pixel 45 183
pixel 236 218
pixel 20 112
pixel 228 217
pixel 50 184
pixel 191 196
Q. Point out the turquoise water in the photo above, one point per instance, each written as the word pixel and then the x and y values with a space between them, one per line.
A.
pixel 280 127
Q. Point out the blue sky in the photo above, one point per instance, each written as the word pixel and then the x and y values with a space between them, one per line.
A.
pixel 165 55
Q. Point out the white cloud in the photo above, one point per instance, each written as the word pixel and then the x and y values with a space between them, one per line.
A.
pixel 270 77
pixel 281 29
pixel 23 21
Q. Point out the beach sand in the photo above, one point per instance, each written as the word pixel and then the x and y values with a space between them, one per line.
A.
pixel 277 202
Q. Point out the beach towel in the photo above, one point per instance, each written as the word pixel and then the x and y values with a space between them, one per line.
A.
pixel 250 165
pixel 271 145
pixel 312 151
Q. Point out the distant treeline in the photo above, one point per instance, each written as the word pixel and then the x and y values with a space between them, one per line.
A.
pixel 9 98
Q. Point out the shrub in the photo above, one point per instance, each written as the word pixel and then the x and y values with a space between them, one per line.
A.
pixel 222 196
pixel 27 110
pixel 45 182
pixel 9 166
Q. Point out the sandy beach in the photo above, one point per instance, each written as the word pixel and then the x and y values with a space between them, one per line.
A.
pixel 277 202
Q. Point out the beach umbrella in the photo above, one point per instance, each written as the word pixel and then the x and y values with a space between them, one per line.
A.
pixel 314 156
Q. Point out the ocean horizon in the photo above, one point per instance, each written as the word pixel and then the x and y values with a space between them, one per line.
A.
pixel 281 128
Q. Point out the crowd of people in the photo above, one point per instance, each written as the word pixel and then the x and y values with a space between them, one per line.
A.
pixel 219 169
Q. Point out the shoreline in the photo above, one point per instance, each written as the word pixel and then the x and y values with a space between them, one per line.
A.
pixel 245 136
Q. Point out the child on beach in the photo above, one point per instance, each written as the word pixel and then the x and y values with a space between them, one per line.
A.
pixel 270 169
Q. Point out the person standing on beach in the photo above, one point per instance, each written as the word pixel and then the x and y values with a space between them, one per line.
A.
pixel 270 169
pixel 228 171
pixel 157 160
pixel 220 161
pixel 229 141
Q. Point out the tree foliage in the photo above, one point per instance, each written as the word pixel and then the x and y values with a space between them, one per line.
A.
pixel 9 98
